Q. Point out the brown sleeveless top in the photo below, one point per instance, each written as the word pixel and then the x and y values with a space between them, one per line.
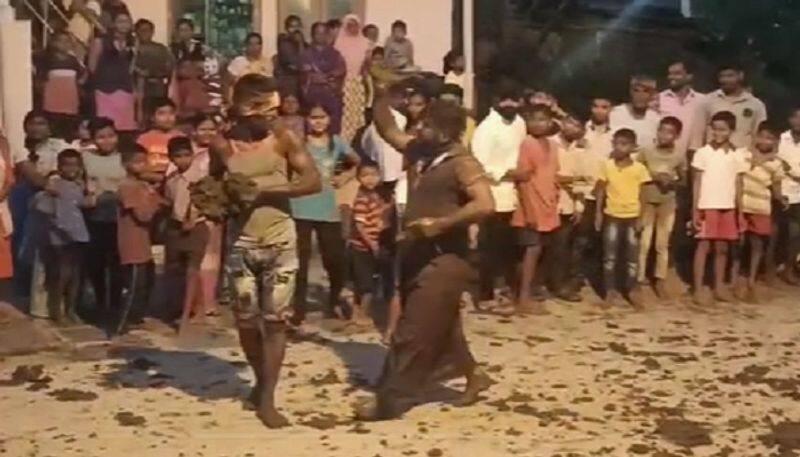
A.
pixel 266 222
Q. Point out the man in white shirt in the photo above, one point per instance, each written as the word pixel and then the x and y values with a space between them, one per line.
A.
pixel 496 145
pixel 637 114
pixel 789 152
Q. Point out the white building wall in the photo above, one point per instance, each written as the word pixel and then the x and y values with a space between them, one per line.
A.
pixel 16 90
pixel 156 11
pixel 430 26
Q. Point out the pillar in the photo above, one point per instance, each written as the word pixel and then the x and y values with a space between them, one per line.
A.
pixel 16 88
pixel 469 52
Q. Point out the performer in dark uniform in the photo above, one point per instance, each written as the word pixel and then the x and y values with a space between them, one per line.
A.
pixel 448 191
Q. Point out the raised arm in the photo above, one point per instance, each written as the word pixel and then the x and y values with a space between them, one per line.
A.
pixel 387 127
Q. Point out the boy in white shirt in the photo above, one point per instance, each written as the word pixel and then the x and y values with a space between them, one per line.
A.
pixel 718 169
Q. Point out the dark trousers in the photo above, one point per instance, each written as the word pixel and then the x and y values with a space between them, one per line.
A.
pixel 102 264
pixel 62 266
pixel 498 253
pixel 331 247
pixel 620 244
pixel 587 244
pixel 791 229
pixel 563 257
pixel 138 280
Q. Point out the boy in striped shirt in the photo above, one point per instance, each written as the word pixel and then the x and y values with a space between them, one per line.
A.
pixel 369 212
pixel 761 184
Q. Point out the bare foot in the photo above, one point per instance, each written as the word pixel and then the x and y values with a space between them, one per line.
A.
pixel 476 383
pixel 253 399
pixel 366 409
pixel 636 300
pixel 723 295
pixel 360 317
pixel 614 300
pixel 271 418
pixel 751 296
pixel 533 308
pixel 485 305
pixel 661 290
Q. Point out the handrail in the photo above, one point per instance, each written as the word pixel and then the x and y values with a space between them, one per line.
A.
pixel 50 29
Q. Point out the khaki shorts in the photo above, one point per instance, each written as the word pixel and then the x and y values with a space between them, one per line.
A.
pixel 263 279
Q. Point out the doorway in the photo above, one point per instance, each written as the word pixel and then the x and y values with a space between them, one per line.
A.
pixel 311 11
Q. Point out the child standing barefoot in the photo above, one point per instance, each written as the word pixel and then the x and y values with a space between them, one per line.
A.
pixel 760 184
pixel 718 168
pixel 368 223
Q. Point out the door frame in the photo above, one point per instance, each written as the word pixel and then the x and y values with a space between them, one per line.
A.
pixel 320 10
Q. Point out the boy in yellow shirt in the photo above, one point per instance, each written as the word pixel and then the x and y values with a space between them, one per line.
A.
pixel 618 211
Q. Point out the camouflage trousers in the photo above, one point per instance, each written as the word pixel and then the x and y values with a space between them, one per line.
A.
pixel 263 281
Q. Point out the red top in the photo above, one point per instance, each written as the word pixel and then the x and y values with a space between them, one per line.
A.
pixel 538 196
pixel 193 97
pixel 368 212
pixel 138 203
pixel 156 142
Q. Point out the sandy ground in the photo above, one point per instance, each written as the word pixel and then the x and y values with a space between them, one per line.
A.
pixel 670 381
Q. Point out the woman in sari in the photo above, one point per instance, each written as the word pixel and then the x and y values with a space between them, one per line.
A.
pixel 354 48
pixel 322 72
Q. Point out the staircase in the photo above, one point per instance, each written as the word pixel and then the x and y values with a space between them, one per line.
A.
pixel 48 16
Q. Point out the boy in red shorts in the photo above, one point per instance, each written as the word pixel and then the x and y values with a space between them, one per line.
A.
pixel 761 183
pixel 718 168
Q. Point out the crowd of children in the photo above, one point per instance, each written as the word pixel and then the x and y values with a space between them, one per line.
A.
pixel 575 200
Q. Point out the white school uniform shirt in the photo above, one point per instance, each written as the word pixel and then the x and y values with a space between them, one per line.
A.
pixel 789 152
pixel 389 160
pixel 721 169
pixel 496 145
pixel 621 117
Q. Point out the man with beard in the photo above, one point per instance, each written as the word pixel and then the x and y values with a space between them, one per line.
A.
pixel 448 190
pixel 262 260
pixel 496 145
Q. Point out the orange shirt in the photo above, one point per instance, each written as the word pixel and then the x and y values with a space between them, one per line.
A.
pixel 156 142
pixel 538 196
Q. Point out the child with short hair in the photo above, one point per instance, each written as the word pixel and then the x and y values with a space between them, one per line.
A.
pixel 761 184
pixel 668 168
pixel 455 69
pixel 291 116
pixel 369 223
pixel 399 49
pixel 187 234
pixel 66 234
pixel 718 169
pixel 619 208
pixel 163 121
pixel 138 204
pixel 536 218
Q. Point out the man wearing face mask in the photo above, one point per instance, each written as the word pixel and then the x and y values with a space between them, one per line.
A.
pixel 262 260
pixel 448 191
pixel 496 144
